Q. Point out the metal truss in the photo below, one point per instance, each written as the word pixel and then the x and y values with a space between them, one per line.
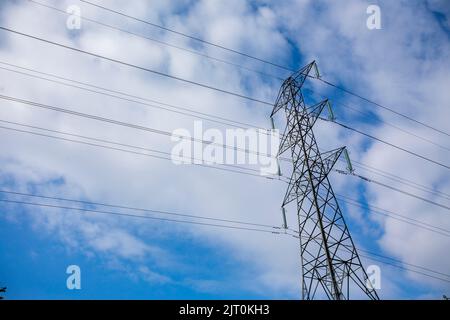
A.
pixel 331 267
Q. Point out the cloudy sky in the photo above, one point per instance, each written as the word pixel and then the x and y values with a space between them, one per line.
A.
pixel 404 65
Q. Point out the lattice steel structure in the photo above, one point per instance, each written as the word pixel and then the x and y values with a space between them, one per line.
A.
pixel 331 266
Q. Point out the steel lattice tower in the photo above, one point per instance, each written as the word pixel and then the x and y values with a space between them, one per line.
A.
pixel 330 263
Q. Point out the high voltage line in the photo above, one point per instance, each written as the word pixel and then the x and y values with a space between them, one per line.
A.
pixel 201 54
pixel 190 36
pixel 132 152
pixel 400 179
pixel 388 143
pixel 272 229
pixel 127 124
pixel 185 111
pixel 393 188
pixel 159 73
pixel 136 208
pixel 165 106
pixel 386 108
pixel 369 115
pixel 162 132
pixel 387 213
pixel 135 215
pixel 392 215
pixel 215 89
pixel 152 130
pixel 242 67
pixel 244 125
pixel 270 63
pixel 232 64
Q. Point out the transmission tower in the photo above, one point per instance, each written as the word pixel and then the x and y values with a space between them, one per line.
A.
pixel 331 267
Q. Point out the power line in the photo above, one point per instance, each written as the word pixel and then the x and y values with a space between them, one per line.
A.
pixel 77 209
pixel 391 215
pixel 166 133
pixel 136 216
pixel 394 188
pixel 115 143
pixel 415 222
pixel 368 114
pixel 383 107
pixel 136 208
pixel 400 179
pixel 188 36
pixel 245 125
pixel 132 152
pixel 201 54
pixel 404 182
pixel 270 63
pixel 400 129
pixel 216 89
pixel 126 124
pixel 120 123
pixel 196 114
pixel 239 66
pixel 388 143
pixel 418 223
pixel 383 211
pixel 405 263
pixel 397 265
pixel 279 78
pixel 395 216
pixel 347 127
pixel 404 268
pixel 162 132
pixel 206 86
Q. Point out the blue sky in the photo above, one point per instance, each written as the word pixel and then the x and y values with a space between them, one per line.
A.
pixel 403 65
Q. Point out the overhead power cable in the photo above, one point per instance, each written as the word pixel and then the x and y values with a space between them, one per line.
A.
pixel 384 107
pixel 127 64
pixel 35 104
pixel 127 207
pixel 136 216
pixel 276 231
pixel 389 144
pixel 395 189
pixel 126 124
pixel 267 62
pixel 117 95
pixel 397 179
pixel 389 214
pixel 160 42
pixel 404 268
pixel 369 115
pixel 392 215
pixel 204 116
pixel 402 180
pixel 188 36
pixel 400 266
pixel 221 90
pixel 134 152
